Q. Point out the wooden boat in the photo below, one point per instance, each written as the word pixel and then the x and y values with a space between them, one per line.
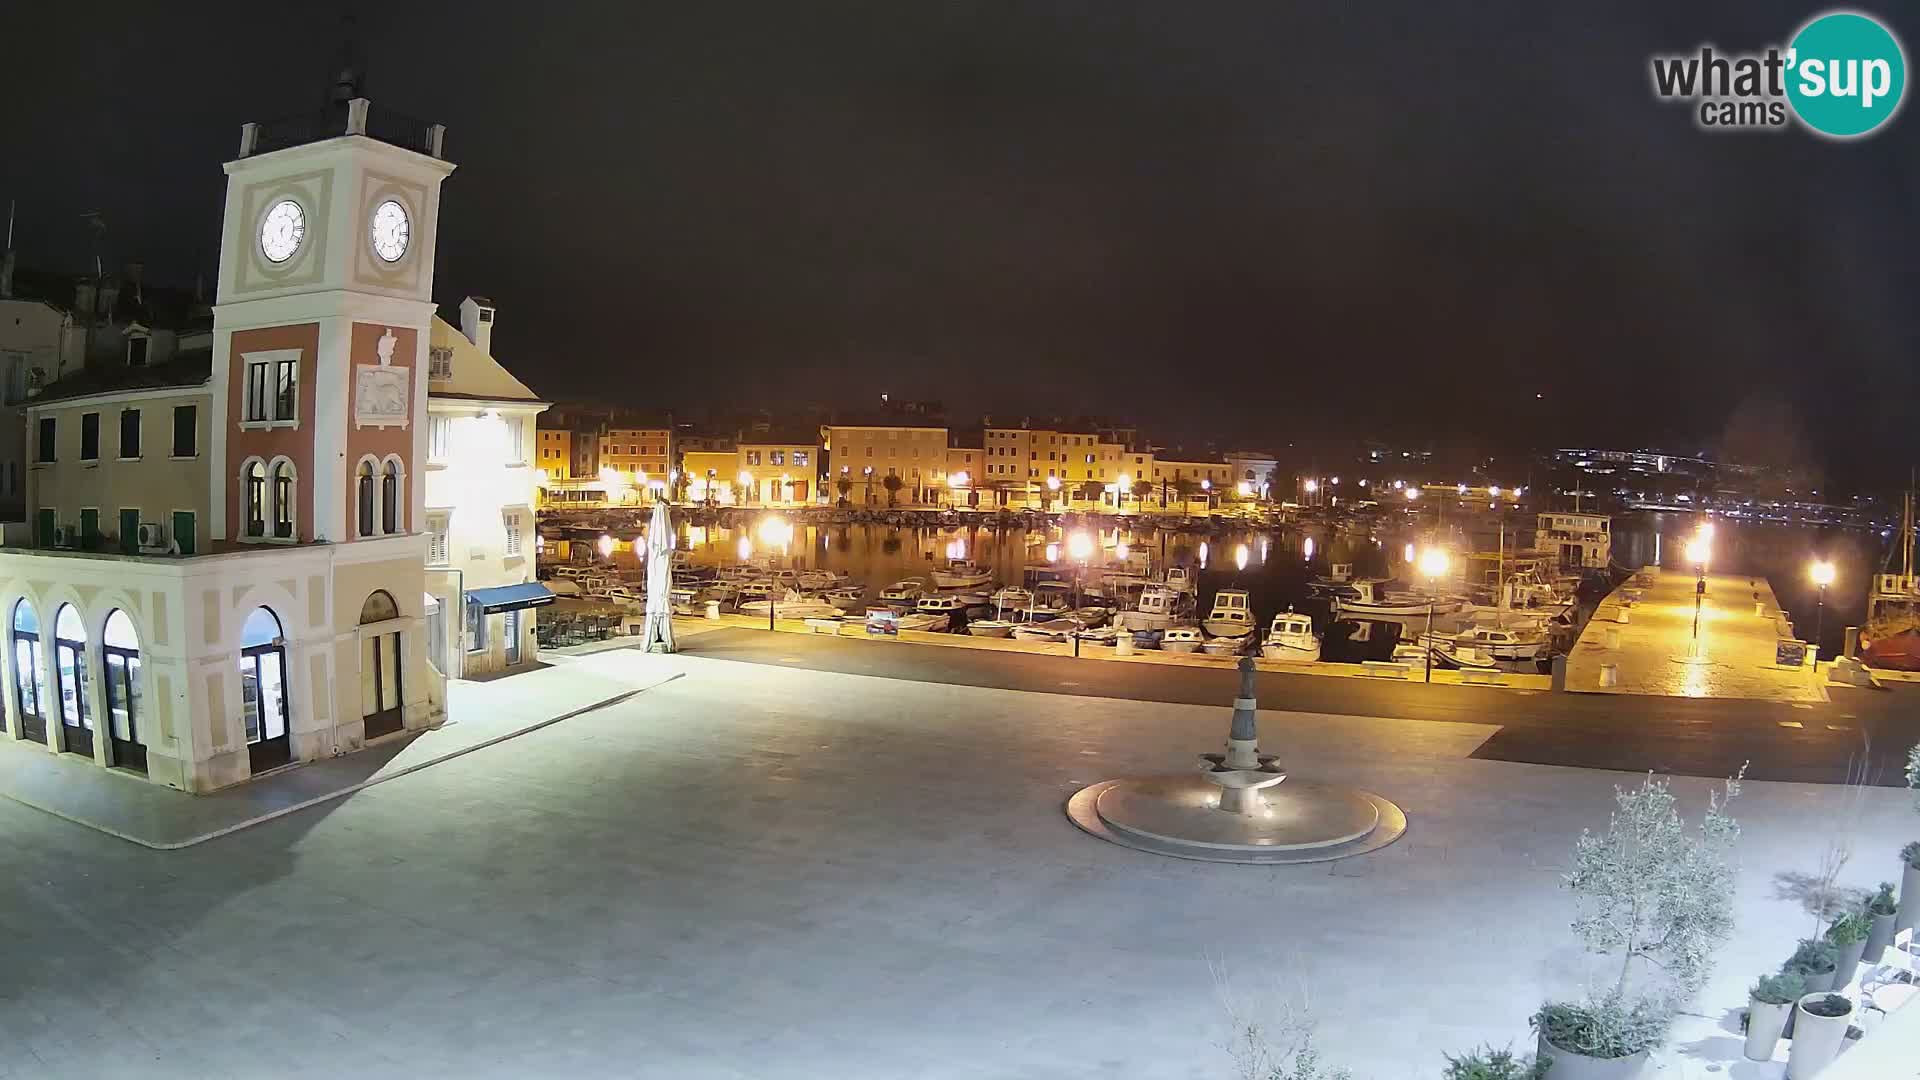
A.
pixel 998 628
pixel 1180 639
pixel 961 574
pixel 1232 614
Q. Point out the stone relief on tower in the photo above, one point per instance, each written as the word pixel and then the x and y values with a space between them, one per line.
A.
pixel 382 391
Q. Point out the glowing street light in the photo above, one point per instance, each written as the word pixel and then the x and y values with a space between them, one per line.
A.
pixel 1822 573
pixel 1413 493
pixel 1433 566
pixel 605 544
pixel 1079 545
pixel 1700 551
pixel 1494 491
pixel 1312 486
pixel 1409 551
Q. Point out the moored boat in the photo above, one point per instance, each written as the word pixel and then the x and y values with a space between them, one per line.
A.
pixel 1180 639
pixel 1290 637
pixel 1231 616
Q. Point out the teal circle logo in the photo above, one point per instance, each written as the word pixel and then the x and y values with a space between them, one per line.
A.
pixel 1847 74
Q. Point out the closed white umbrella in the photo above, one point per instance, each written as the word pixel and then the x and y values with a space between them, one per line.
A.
pixel 659 633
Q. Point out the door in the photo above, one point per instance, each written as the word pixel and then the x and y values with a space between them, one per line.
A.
pixel 129 532
pixel 70 666
pixel 89 529
pixel 182 534
pixel 263 689
pixel 513 637
pixel 123 709
pixel 30 686
pixel 43 528
pixel 380 684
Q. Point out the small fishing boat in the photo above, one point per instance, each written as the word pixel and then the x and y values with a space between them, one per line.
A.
pixel 961 574
pixel 1050 600
pixel 1225 646
pixel 1180 639
pixel 999 628
pixel 1290 637
pixel 848 596
pixel 902 594
pixel 1180 579
pixel 1232 614
pixel 1371 598
pixel 1051 630
pixel 791 606
pixel 1156 609
pixel 1012 598
pixel 931 614
pixel 1503 643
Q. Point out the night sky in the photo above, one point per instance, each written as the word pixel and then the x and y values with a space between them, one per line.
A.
pixel 1255 223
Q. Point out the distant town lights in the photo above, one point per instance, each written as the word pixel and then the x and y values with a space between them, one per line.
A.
pixel 1462 489
pixel 1494 491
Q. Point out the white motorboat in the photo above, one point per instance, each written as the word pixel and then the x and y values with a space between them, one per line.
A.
pixel 822 580
pixel 1446 654
pixel 1098 635
pixel 792 606
pixel 1290 637
pixel 1232 614
pixel 932 613
pixel 1225 646
pixel 1156 609
pixel 991 628
pixel 1502 643
pixel 904 594
pixel 1012 598
pixel 1050 600
pixel 1091 616
pixel 753 590
pixel 848 596
pixel 1371 599
pixel 961 574
pixel 1051 630
pixel 1181 639
pixel 1180 579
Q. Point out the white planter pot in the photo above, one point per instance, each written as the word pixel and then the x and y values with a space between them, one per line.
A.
pixel 1879 939
pixel 1909 898
pixel 1816 1040
pixel 1567 1065
pixel 1764 1024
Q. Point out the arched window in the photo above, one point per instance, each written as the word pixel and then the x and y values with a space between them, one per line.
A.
pixel 390 515
pixel 263 690
pixel 70 668
pixel 254 477
pixel 120 664
pixel 29 678
pixel 364 497
pixel 283 504
pixel 381 705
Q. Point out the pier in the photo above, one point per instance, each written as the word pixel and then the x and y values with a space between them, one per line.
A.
pixel 1642 640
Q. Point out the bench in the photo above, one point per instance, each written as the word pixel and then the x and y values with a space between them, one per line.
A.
pixel 1381 669
pixel 823 626
pixel 1482 677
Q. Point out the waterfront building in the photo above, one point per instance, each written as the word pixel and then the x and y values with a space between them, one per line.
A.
pixel 228 575
pixel 712 474
pixel 553 453
pixel 868 453
pixel 639 450
pixel 1583 541
pixel 1200 478
pixel 779 468
pixel 480 493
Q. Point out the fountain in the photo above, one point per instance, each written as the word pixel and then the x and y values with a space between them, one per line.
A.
pixel 1241 806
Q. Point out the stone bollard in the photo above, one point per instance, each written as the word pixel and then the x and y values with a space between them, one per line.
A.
pixel 1759 607
pixel 1123 645
pixel 1613 637
pixel 1609 674
pixel 713 610
pixel 1560 672
pixel 1623 616
pixel 1851 647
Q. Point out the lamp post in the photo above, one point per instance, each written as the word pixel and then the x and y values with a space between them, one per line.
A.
pixel 1822 573
pixel 867 475
pixel 1079 548
pixel 959 481
pixel 1699 551
pixel 1206 492
pixel 1120 488
pixel 712 476
pixel 1053 488
pixel 1433 564
pixel 774 532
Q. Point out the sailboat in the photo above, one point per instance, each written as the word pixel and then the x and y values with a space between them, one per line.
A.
pixel 1890 637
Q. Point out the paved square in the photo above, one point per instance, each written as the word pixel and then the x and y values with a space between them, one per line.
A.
pixel 765 872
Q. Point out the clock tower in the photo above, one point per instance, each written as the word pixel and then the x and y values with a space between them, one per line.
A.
pixel 321 320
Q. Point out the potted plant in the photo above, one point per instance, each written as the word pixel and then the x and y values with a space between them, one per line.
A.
pixel 1768 1005
pixel 1660 899
pixel 1880 912
pixel 1487 1063
pixel 1817 962
pixel 1848 936
pixel 1822 1020
pixel 1909 887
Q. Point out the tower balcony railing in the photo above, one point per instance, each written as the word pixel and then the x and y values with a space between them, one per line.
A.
pixel 359 117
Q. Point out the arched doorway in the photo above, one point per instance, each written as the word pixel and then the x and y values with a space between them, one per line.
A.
pixel 29 678
pixel 70 668
pixel 263 690
pixel 120 667
pixel 380 699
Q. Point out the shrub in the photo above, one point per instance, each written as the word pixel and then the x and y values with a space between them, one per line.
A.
pixel 1782 989
pixel 1612 1027
pixel 1814 957
pixel 1849 928
pixel 1830 1005
pixel 1883 902
pixel 1911 853
pixel 1487 1063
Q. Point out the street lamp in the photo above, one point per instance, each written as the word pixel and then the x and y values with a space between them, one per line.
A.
pixel 786 487
pixel 712 476
pixel 1206 492
pixel 1079 549
pixel 959 481
pixel 1822 573
pixel 1699 551
pixel 1413 493
pixel 867 475
pixel 1433 564
pixel 774 532
pixel 745 480
pixel 1121 487
pixel 1053 487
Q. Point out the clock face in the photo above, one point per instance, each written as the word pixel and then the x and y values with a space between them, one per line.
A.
pixel 282 230
pixel 390 231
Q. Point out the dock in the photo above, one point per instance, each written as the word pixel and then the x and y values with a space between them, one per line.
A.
pixel 1654 651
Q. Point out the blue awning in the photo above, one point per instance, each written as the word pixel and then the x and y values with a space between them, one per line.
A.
pixel 510 597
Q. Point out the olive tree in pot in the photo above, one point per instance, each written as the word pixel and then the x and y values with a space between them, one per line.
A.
pixel 1881 909
pixel 1848 936
pixel 1822 1020
pixel 1769 1004
pixel 1657 896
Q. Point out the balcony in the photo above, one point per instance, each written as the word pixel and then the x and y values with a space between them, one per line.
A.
pixel 358 118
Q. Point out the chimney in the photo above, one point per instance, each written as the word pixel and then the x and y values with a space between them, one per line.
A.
pixel 136 273
pixel 476 321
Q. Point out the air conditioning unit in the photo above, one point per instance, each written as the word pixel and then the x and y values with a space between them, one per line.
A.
pixel 66 536
pixel 153 539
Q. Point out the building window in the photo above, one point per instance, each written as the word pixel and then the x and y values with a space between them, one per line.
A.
pixel 45 444
pixel 390 497
pixel 255 477
pixel 511 519
pixel 90 436
pixel 129 433
pixel 186 431
pixel 776 457
pixel 437 541
pixel 364 496
pixel 440 362
pixel 137 350
pixel 753 457
pixel 476 627
pixel 283 500
pixel 799 458
pixel 272 391
pixel 439 429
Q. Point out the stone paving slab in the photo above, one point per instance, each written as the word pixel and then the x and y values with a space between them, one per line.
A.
pixel 125 806
pixel 1657 654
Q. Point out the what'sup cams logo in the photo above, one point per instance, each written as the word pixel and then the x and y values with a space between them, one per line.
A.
pixel 1843 76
